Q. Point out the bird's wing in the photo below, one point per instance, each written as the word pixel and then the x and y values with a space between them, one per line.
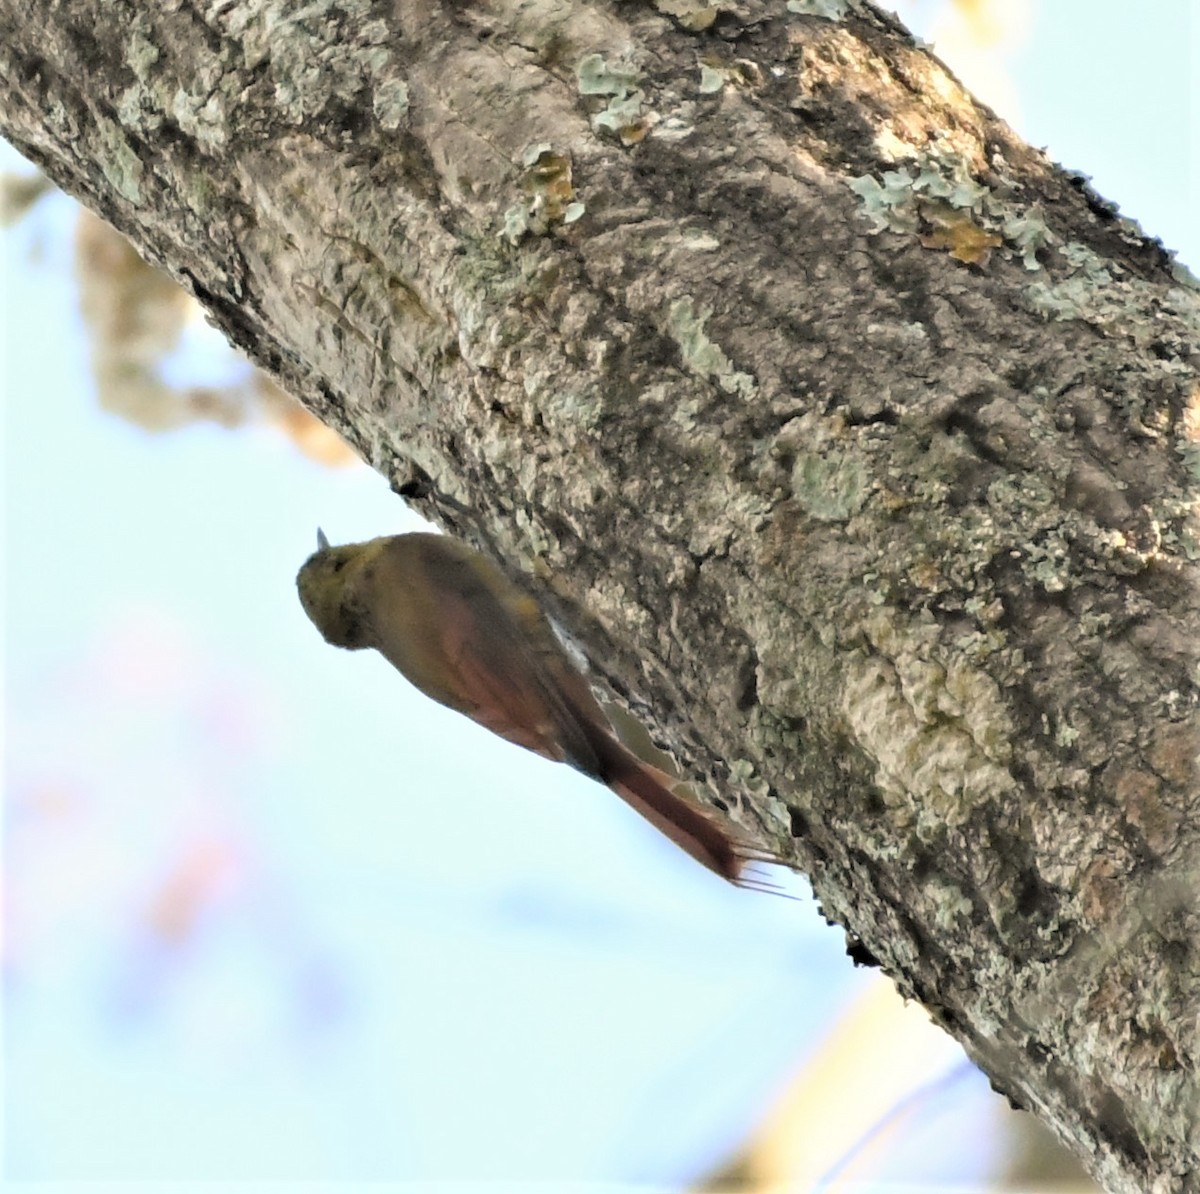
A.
pixel 510 687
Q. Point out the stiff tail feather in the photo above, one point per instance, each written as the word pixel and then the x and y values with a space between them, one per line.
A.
pixel 649 791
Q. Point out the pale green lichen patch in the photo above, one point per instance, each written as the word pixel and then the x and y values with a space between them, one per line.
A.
pixel 1187 443
pixel 142 53
pixel 715 72
pixel 1047 562
pixel 202 117
pixel 949 180
pixel 575 413
pixel 1162 327
pixel 701 354
pixel 832 486
pixel 623 117
pixel 936 193
pixel 596 76
pixel 693 15
pixel 623 114
pixel 391 102
pixel 828 482
pixel 533 153
pixel 777 820
pixel 699 240
pixel 1066 734
pixel 743 773
pixel 516 223
pixel 887 203
pixel 572 413
pixel 141 105
pixel 133 110
pixel 1183 274
pixel 313 53
pixel 831 10
pixel 1027 232
pixel 316 52
pixel 1087 291
pixel 540 541
pixel 949 903
pixel 119 161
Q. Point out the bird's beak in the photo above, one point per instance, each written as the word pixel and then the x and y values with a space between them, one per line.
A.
pixel 322 542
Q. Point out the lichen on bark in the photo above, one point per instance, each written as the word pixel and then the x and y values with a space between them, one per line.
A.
pixel 854 442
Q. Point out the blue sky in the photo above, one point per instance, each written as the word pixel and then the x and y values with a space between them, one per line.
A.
pixel 271 917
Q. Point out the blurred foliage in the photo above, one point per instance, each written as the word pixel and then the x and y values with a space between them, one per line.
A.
pixel 1034 1159
pixel 870 1081
pixel 986 21
pixel 18 193
pixel 977 40
pixel 136 318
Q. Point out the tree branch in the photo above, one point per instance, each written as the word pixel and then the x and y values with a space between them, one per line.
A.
pixel 844 431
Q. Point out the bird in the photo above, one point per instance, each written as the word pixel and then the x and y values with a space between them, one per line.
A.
pixel 458 629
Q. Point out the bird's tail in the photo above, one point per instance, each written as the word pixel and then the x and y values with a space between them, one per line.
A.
pixel 650 791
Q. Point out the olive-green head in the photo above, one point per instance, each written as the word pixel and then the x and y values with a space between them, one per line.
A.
pixel 327 583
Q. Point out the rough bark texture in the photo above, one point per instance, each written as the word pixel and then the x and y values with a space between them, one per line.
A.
pixel 846 433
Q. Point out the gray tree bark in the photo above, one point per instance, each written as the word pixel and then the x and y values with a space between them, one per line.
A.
pixel 857 444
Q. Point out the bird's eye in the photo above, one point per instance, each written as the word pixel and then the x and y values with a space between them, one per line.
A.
pixel 339 563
